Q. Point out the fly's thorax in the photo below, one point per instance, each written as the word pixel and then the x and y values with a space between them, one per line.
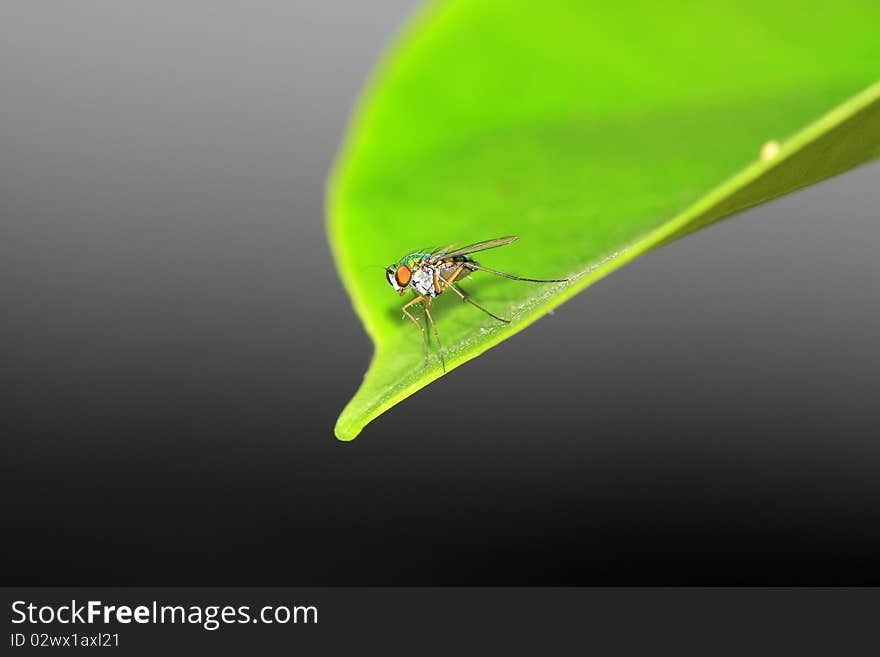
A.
pixel 414 260
pixel 423 280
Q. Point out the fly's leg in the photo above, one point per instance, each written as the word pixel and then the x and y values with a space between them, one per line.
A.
pixel 475 267
pixel 465 297
pixel 418 326
pixel 436 334
pixel 448 284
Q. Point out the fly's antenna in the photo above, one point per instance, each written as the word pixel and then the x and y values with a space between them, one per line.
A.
pixel 474 266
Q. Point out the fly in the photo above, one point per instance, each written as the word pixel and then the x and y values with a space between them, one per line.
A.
pixel 430 274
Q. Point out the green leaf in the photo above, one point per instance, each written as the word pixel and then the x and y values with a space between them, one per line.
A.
pixel 595 131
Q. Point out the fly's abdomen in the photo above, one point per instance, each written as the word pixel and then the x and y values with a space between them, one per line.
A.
pixel 456 267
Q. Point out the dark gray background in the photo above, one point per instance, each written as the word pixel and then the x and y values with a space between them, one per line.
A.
pixel 176 347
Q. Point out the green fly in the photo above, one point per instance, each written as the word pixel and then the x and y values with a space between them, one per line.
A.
pixel 431 274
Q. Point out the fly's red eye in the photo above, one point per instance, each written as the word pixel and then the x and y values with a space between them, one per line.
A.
pixel 403 275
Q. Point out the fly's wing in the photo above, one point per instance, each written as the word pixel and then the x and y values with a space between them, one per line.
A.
pixel 443 251
pixel 479 246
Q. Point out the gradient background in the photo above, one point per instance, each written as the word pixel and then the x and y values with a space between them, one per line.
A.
pixel 176 347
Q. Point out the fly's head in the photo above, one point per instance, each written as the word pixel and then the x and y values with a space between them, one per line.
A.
pixel 398 277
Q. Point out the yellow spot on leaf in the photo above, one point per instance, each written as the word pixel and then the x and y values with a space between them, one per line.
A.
pixel 769 150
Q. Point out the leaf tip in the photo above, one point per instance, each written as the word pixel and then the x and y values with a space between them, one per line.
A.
pixel 346 432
